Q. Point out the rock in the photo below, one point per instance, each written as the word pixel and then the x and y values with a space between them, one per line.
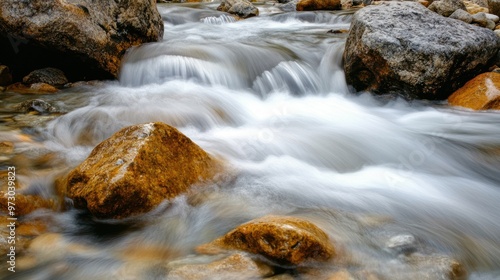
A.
pixel 480 93
pixel 136 169
pixel 26 204
pixel 285 240
pixel 480 3
pixel 313 5
pixel 482 20
pixel 84 38
pixel 38 88
pixel 473 8
pixel 403 48
pixel 50 246
pixel 5 76
pixel 37 105
pixel 51 76
pixel 24 232
pixel 462 15
pixel 342 275
pixel 404 243
pixel 494 7
pixel 236 266
pixel 6 147
pixel 493 18
pixel 241 8
pixel 435 267
pixel 289 7
pixel 446 7
pixel 497 32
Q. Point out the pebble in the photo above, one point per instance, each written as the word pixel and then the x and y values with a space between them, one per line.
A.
pixel 493 18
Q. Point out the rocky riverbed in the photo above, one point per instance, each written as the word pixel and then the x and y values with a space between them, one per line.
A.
pixel 251 140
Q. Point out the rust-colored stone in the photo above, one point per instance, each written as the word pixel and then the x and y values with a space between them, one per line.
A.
pixel 39 88
pixel 313 5
pixel 6 147
pixel 480 93
pixel 285 240
pixel 25 204
pixel 136 169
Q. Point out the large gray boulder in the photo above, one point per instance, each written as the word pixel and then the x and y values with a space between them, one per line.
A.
pixel 84 38
pixel 402 47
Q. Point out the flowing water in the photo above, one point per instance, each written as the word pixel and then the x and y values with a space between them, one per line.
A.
pixel 268 95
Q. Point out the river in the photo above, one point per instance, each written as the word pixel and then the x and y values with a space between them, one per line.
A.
pixel 268 95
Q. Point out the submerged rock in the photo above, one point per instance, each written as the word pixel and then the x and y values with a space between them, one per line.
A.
pixel 403 48
pixel 84 38
pixel 136 169
pixel 37 105
pixel 241 8
pixel 26 204
pixel 236 266
pixel 435 267
pixel 51 76
pixel 480 93
pixel 38 88
pixel 285 240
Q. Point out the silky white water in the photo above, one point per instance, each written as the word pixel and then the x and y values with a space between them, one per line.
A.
pixel 268 96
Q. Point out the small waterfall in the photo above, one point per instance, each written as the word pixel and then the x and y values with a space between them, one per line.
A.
pixel 218 20
pixel 290 76
pixel 233 65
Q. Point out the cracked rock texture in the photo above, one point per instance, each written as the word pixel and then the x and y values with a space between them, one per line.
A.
pixel 404 48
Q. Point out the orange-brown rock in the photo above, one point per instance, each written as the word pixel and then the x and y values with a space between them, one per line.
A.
pixel 136 169
pixel 25 204
pixel 32 89
pixel 6 147
pixel 237 266
pixel 312 5
pixel 285 240
pixel 480 93
pixel 24 232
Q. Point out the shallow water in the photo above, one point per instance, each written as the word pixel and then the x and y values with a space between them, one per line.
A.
pixel 268 95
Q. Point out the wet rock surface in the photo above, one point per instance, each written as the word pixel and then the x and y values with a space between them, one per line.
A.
pixel 480 93
pixel 285 240
pixel 236 266
pixel 155 162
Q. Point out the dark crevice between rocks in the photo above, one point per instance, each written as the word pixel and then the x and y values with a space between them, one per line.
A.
pixel 23 56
